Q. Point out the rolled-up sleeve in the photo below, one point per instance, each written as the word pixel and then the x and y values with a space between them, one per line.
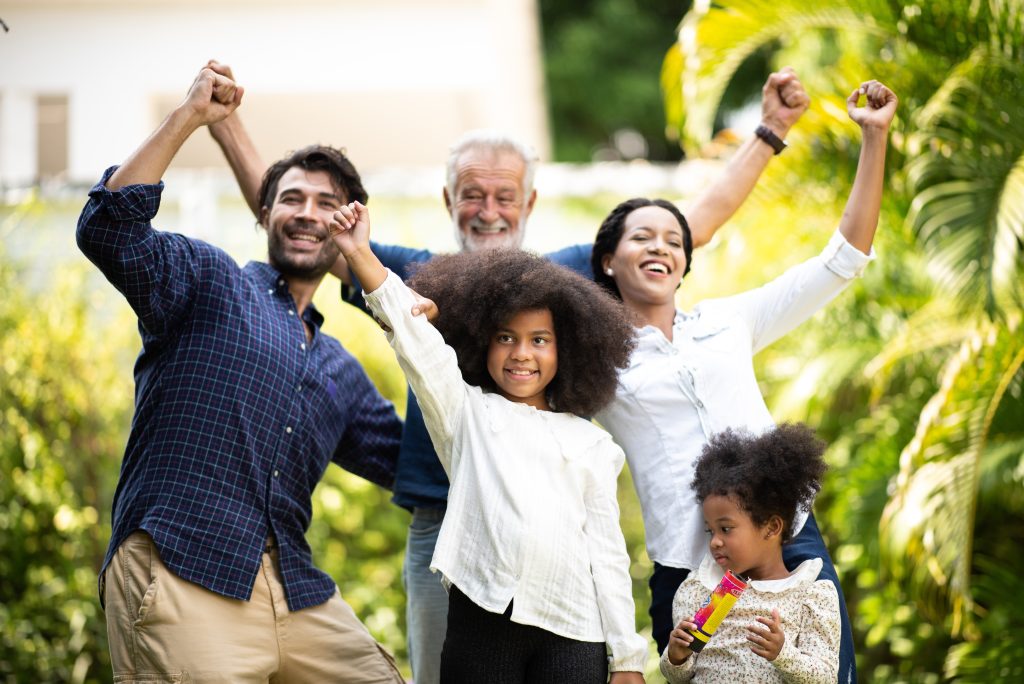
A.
pixel 779 306
pixel 156 272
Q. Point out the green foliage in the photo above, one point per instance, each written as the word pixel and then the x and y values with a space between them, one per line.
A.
pixel 601 64
pixel 63 412
pixel 922 399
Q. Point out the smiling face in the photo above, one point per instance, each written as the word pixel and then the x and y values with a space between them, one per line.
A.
pixel 649 260
pixel 522 357
pixel 739 544
pixel 489 208
pixel 297 223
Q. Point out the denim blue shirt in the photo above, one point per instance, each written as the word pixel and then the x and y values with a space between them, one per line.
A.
pixel 237 415
pixel 420 480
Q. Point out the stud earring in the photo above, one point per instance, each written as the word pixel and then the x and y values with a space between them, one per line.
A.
pixel 608 272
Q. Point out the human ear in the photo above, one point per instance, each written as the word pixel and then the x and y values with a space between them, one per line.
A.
pixel 606 262
pixel 530 202
pixel 447 200
pixel 774 527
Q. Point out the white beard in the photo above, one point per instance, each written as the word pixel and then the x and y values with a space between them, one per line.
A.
pixel 470 241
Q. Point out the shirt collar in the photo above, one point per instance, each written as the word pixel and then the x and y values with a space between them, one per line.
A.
pixel 271 280
pixel 710 574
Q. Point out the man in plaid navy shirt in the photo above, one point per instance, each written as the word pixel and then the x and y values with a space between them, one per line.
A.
pixel 241 402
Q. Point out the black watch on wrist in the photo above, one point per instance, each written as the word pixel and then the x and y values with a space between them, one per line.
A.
pixel 766 134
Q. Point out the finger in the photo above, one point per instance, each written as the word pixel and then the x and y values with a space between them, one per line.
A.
pixel 852 100
pixel 776 620
pixel 223 88
pixel 360 211
pixel 222 69
pixel 344 220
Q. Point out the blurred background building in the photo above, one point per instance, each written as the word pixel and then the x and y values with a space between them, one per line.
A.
pixel 393 81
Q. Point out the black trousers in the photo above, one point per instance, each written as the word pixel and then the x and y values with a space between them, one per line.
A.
pixel 481 646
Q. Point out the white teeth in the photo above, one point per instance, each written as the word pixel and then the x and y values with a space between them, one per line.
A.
pixel 657 268
pixel 523 373
pixel 305 238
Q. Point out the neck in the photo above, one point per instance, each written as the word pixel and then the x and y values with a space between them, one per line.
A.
pixel 661 315
pixel 771 569
pixel 302 290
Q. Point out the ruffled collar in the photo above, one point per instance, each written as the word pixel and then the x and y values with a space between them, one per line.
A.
pixel 710 574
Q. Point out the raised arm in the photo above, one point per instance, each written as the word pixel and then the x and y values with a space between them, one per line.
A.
pixel 238 148
pixel 860 218
pixel 783 101
pixel 211 98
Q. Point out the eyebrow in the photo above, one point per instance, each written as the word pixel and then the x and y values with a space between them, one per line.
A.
pixel 673 231
pixel 322 195
pixel 541 331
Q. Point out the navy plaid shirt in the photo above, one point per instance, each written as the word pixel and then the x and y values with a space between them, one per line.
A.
pixel 236 414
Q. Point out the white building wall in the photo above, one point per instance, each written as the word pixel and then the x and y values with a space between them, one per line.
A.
pixel 117 59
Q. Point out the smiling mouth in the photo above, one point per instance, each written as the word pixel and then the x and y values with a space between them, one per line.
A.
pixel 305 237
pixel 520 373
pixel 488 230
pixel 655 267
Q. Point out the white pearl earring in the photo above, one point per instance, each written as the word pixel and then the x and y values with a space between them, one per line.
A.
pixel 608 272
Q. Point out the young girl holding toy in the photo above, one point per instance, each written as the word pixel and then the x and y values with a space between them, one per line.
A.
pixel 785 625
pixel 530 548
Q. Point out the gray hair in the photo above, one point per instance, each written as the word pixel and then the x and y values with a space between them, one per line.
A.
pixel 492 141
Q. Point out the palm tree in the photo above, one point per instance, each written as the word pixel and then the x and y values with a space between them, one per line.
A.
pixel 957 175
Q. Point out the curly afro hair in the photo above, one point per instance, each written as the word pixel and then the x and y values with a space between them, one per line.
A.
pixel 610 233
pixel 476 292
pixel 777 472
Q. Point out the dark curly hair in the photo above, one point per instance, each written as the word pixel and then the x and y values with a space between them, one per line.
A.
pixel 777 472
pixel 315 158
pixel 610 233
pixel 476 292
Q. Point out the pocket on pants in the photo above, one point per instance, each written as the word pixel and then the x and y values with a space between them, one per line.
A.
pixel 138 559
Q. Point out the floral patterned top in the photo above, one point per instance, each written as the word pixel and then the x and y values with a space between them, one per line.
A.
pixel 808 608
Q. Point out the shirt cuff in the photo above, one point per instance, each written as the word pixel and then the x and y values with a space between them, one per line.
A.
pixel 677 673
pixel 787 656
pixel 845 260
pixel 629 662
pixel 136 202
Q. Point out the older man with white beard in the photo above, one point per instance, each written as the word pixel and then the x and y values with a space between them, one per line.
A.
pixel 489 195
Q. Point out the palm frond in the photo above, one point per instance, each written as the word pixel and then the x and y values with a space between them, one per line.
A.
pixel 714 41
pixel 968 182
pixel 935 326
pixel 927 527
pixel 981 661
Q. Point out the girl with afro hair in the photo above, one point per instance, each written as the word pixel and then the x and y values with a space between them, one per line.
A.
pixel 785 625
pixel 531 552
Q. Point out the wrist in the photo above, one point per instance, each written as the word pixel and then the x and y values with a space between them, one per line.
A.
pixel 184 120
pixel 224 130
pixel 871 133
pixel 771 137
pixel 775 127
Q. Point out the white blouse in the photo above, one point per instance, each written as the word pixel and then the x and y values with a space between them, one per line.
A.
pixel 809 614
pixel 532 511
pixel 675 395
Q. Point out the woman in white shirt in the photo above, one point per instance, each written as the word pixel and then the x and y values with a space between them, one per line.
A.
pixel 530 548
pixel 692 376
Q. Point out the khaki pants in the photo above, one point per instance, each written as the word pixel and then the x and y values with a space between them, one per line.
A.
pixel 164 629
